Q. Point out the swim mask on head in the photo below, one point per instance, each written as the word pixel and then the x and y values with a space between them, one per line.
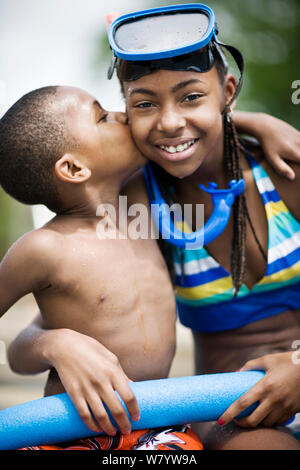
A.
pixel 177 37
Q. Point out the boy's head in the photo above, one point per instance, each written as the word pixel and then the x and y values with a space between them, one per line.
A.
pixel 32 137
pixel 55 136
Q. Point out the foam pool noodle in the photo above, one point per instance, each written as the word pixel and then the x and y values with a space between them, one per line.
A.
pixel 164 402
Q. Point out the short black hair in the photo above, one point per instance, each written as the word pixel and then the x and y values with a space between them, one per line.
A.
pixel 32 138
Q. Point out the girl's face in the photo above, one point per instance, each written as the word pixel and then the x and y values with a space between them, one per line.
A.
pixel 176 119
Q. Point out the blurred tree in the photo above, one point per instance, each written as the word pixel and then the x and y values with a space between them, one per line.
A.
pixel 15 221
pixel 268 34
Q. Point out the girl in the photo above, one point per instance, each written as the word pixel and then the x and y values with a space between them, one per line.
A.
pixel 240 293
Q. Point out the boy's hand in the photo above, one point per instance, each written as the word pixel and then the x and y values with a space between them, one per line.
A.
pixel 91 374
pixel 280 142
pixel 277 393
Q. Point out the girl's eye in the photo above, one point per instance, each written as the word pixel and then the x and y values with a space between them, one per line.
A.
pixel 193 97
pixel 145 104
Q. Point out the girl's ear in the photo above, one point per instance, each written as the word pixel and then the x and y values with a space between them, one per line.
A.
pixel 230 84
pixel 71 170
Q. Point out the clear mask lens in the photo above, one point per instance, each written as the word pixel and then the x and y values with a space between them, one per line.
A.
pixel 154 34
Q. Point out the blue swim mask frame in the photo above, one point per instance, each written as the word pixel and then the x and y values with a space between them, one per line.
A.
pixel 176 37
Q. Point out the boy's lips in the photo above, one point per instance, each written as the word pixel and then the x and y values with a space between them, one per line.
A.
pixel 177 151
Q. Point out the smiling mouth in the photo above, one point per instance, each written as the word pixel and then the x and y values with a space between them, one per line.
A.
pixel 178 152
pixel 178 148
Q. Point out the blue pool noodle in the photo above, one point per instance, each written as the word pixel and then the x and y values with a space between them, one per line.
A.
pixel 163 402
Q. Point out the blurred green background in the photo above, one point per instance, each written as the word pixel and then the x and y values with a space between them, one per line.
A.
pixel 266 31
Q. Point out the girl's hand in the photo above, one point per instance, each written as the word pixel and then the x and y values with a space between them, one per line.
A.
pixel 277 393
pixel 91 374
pixel 280 141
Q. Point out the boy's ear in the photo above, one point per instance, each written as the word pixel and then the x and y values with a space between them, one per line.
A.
pixel 230 87
pixel 71 170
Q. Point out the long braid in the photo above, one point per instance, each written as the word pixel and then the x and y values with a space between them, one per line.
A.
pixel 238 252
pixel 240 209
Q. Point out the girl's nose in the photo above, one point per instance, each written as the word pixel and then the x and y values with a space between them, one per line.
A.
pixel 170 120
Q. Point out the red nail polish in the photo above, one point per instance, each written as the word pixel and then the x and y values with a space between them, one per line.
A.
pixel 136 418
pixel 239 370
pixel 220 422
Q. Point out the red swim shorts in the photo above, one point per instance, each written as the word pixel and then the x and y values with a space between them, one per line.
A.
pixel 169 438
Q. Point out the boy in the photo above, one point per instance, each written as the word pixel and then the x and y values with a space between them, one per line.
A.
pixel 59 147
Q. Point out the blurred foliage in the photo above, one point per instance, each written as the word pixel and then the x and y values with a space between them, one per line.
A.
pixel 15 221
pixel 267 32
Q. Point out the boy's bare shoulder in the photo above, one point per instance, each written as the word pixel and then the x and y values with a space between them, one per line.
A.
pixel 40 245
pixel 29 265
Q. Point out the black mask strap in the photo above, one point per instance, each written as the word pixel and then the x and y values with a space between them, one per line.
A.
pixel 240 63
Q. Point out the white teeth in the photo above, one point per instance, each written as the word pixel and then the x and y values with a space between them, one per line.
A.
pixel 179 148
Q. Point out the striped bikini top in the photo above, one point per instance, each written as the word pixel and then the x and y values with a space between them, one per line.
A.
pixel 204 290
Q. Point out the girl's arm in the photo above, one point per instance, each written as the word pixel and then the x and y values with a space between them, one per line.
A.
pixel 89 373
pixel 279 140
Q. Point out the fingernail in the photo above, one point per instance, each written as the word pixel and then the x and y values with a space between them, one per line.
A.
pixel 291 176
pixel 220 422
pixel 136 417
pixel 239 370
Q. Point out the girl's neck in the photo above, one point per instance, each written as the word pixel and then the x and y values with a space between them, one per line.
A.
pixel 213 168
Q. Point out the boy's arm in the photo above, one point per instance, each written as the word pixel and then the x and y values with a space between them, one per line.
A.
pixel 279 140
pixel 25 268
pixel 88 372
pixel 27 352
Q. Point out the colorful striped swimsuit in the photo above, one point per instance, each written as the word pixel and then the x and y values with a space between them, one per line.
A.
pixel 204 291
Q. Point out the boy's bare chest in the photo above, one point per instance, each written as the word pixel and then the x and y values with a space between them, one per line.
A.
pixel 104 274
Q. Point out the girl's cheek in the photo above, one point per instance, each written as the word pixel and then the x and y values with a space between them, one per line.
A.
pixel 138 133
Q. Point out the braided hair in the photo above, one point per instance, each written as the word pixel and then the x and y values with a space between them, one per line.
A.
pixel 232 148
